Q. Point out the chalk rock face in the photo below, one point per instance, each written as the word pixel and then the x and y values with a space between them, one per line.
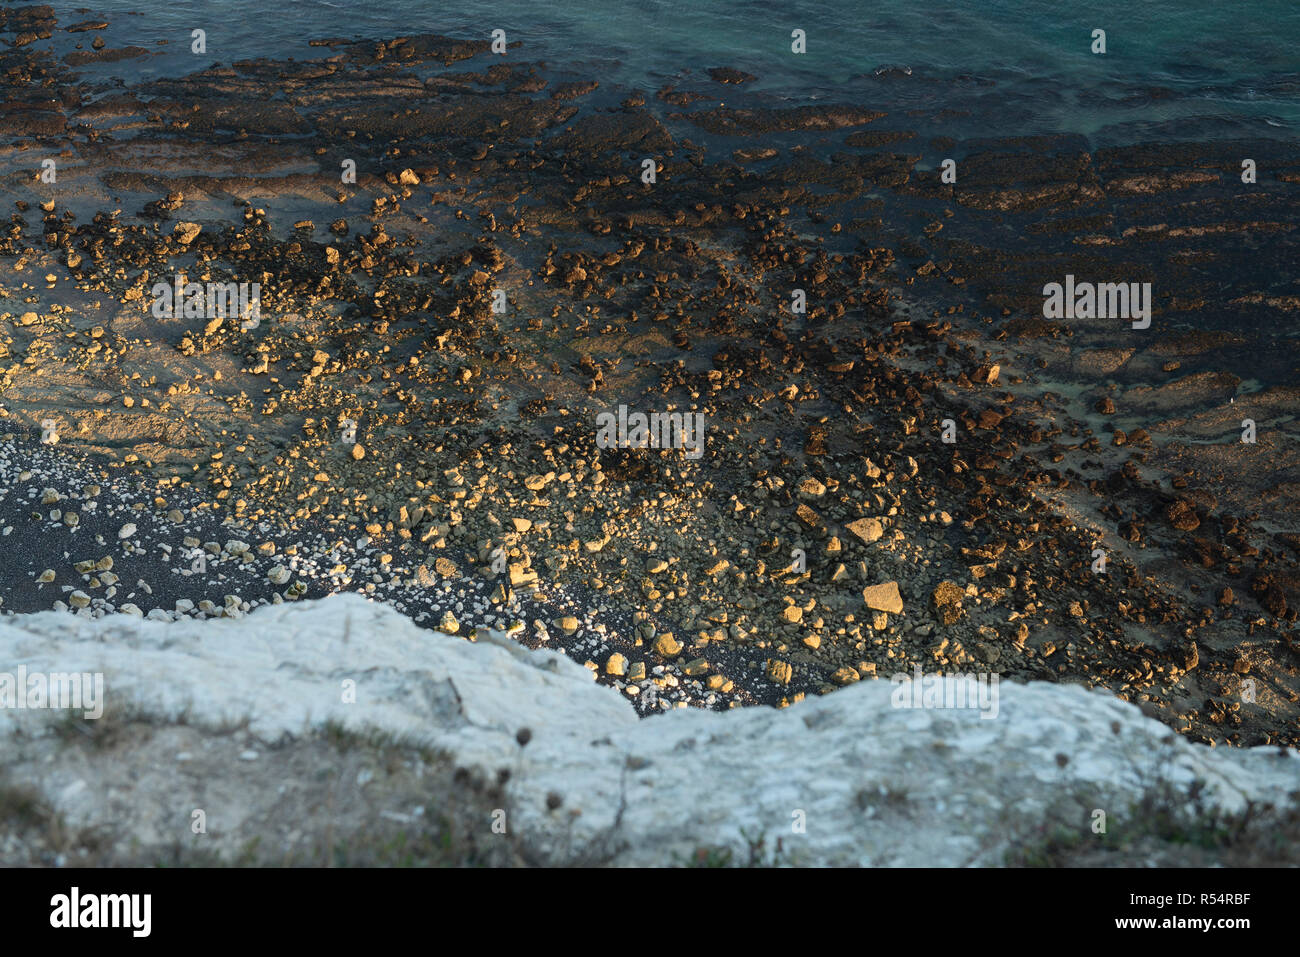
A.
pixel 849 778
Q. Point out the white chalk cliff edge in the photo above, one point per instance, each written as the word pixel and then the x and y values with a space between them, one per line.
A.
pixel 876 785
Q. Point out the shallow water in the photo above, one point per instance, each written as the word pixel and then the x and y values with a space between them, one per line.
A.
pixel 1173 68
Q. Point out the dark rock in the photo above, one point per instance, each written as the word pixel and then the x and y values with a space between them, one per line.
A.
pixel 1182 515
pixel 726 74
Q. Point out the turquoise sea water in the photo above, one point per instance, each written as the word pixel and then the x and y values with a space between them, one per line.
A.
pixel 1173 68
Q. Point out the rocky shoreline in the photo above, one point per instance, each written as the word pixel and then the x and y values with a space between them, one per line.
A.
pixel 827 535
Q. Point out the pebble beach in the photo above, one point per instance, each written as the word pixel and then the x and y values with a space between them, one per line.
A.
pixel 905 464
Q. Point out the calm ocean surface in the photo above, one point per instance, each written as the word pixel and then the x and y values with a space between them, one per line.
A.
pixel 1174 69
